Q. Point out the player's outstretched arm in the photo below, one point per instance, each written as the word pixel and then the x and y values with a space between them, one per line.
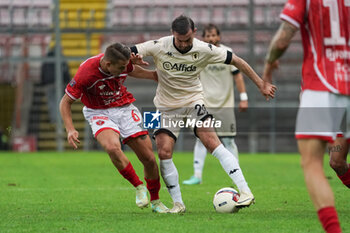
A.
pixel 140 72
pixel 278 46
pixel 266 89
pixel 66 114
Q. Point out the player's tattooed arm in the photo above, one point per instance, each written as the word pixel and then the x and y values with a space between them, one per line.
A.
pixel 278 46
pixel 280 41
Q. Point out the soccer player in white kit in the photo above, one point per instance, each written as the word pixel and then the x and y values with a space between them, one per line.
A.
pixel 325 96
pixel 179 59
pixel 217 83
pixel 111 115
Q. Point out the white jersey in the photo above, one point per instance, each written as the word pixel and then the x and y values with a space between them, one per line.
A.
pixel 217 82
pixel 178 73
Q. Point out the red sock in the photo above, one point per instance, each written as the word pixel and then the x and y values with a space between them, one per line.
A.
pixel 346 178
pixel 153 187
pixel 129 173
pixel 329 219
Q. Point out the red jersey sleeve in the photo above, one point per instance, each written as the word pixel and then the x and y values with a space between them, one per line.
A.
pixel 129 67
pixel 294 12
pixel 74 88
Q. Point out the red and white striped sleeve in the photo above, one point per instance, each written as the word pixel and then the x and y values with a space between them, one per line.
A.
pixel 294 12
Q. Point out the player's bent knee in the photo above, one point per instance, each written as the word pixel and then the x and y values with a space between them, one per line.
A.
pixel 147 155
pixel 305 162
pixel 310 163
pixel 113 148
pixel 164 153
pixel 149 160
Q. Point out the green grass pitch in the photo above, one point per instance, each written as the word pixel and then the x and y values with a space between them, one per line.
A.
pixel 83 192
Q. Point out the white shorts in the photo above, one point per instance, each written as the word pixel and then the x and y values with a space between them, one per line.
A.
pixel 227 117
pixel 125 120
pixel 175 119
pixel 323 115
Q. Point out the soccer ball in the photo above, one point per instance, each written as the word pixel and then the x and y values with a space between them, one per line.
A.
pixel 225 200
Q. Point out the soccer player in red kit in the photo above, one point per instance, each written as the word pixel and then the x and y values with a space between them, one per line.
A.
pixel 325 31
pixel 111 115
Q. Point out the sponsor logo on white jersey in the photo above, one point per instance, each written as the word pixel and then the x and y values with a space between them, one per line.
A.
pixel 179 67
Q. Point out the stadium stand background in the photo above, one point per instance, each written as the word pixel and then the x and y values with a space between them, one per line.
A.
pixel 86 27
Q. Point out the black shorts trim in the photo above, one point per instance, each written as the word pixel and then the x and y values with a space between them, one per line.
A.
pixel 166 131
pixel 202 119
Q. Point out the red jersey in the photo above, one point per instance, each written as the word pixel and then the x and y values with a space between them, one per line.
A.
pixel 97 89
pixel 325 31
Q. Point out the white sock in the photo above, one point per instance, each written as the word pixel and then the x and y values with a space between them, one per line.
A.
pixel 200 152
pixel 171 179
pixel 230 145
pixel 231 167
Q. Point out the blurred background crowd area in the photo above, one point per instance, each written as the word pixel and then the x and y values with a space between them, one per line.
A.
pixel 30 85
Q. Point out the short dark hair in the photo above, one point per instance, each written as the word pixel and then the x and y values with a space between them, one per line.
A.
pixel 116 52
pixel 182 24
pixel 210 27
